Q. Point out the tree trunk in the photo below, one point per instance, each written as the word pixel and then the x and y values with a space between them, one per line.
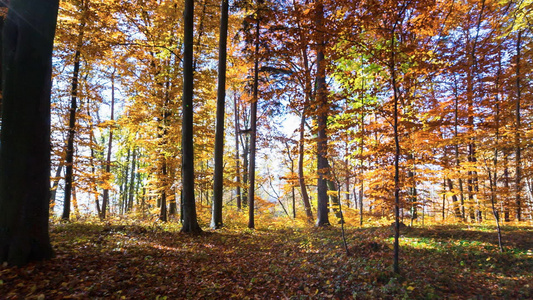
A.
pixel 301 154
pixel 131 192
pixel 322 111
pixel 69 159
pixel 124 184
pixel 3 5
pixel 93 172
pixel 412 188
pixel 245 166
pixel 190 220
pixel 392 66
pixel 105 196
pixel 237 155
pixel 518 171
pixel 253 130
pixel 163 211
pixel 25 138
pixel 301 178
pixel 216 220
pixel 456 146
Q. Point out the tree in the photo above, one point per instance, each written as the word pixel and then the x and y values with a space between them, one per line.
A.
pixel 190 221
pixel 69 159
pixel 25 153
pixel 105 196
pixel 216 221
pixel 322 116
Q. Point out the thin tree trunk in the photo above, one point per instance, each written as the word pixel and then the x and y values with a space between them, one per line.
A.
pixel 301 178
pixel 216 221
pixel 347 178
pixel 69 159
pixel 518 162
pixel 456 148
pixel 163 212
pixel 493 179
pixel 301 154
pixel 506 184
pixel 245 166
pixel 396 267
pixel 444 199
pixel 412 188
pixel 105 196
pixel 131 192
pixel 253 131
pixel 93 171
pixel 361 149
pixel 322 111
pixel 237 155
pixel 124 185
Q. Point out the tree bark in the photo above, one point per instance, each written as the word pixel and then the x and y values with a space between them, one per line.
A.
pixel 69 159
pixel 301 178
pixel 322 111
pixel 164 173
pixel 216 220
pixel 25 153
pixel 518 162
pixel 301 154
pixel 237 155
pixel 253 130
pixel 456 148
pixel 105 196
pixel 131 192
pixel 190 220
pixel 3 5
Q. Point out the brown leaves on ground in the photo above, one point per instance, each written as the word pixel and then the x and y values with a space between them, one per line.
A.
pixel 100 261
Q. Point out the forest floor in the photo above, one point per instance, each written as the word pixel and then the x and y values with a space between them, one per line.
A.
pixel 285 260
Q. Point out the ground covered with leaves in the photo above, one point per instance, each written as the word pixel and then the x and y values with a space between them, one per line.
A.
pixel 286 260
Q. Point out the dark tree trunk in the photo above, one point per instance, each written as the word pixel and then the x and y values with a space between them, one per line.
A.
pixel 237 155
pixel 25 153
pixel 124 184
pixel 190 220
pixel 245 164
pixel 216 220
pixel 322 142
pixel 412 188
pixel 396 265
pixel 301 178
pixel 253 130
pixel 69 159
pixel 131 192
pixel 456 147
pixel 163 212
pixel 506 184
pixel 93 171
pixel 2 20
pixel 105 196
pixel 518 170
